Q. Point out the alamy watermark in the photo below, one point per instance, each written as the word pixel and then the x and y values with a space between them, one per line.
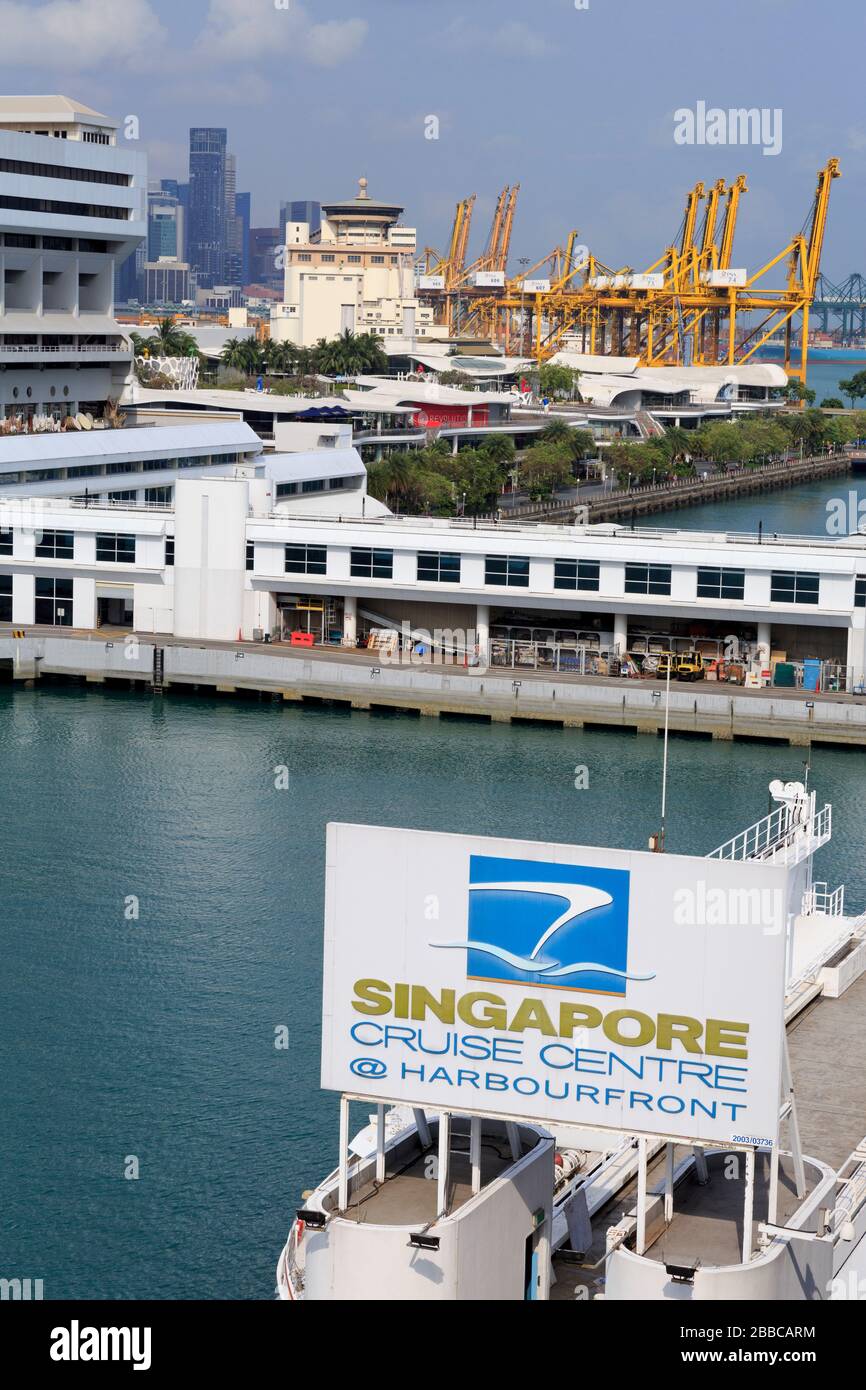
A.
pixel 413 646
pixel 741 125
pixel 22 1290
pixel 846 516
pixel 704 906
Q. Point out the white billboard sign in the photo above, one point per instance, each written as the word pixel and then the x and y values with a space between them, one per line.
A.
pixel 536 286
pixel 725 279
pixel 490 279
pixel 563 984
pixel 651 281
pixel 431 282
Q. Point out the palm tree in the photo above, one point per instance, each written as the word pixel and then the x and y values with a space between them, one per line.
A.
pixel 280 357
pixel 557 432
pixel 243 354
pixel 349 355
pixel 168 340
pixel 680 442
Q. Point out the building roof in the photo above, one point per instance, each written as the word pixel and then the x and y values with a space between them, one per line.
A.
pixel 45 109
pixel 588 362
pixel 292 407
pixel 361 203
pixel 81 324
pixel 419 392
pixel 138 442
pixel 315 463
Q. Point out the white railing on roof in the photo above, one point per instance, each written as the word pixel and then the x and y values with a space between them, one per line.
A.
pixel 819 900
pixel 21 511
pixel 786 836
pixel 32 349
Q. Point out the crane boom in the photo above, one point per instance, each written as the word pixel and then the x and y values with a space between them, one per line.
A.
pixel 730 224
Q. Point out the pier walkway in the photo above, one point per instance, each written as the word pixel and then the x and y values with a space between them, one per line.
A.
pixel 361 681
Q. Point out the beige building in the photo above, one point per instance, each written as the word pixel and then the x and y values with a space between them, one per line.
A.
pixel 355 273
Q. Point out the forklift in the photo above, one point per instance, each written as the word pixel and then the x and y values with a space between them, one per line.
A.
pixel 682 666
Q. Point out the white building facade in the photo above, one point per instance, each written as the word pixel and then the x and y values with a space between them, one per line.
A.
pixel 72 207
pixel 354 273
pixel 251 566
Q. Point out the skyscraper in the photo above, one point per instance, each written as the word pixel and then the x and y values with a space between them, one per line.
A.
pixel 233 255
pixel 180 191
pixel 164 224
pixel 309 212
pixel 243 208
pixel 207 202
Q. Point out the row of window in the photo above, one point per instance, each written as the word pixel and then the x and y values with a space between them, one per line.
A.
pixel 25 241
pixel 305 258
pixel 30 169
pixel 53 601
pixel 53 206
pixel 111 548
pixel 438 567
pixel 512 571
pixel 310 485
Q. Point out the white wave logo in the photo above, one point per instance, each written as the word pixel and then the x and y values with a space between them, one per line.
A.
pixel 580 899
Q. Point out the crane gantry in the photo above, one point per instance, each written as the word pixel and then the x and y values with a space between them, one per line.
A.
pixel 687 307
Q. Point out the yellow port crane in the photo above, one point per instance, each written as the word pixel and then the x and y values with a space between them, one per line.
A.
pixel 730 224
pixel 689 306
pixel 452 264
pixel 464 298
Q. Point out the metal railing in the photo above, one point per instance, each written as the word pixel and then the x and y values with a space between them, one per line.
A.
pixel 33 350
pixel 819 900
pixel 786 836
pixel 565 657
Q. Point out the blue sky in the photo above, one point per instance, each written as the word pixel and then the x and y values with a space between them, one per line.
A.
pixel 576 105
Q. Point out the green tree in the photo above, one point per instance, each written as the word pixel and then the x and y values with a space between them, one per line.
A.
pixel 454 378
pixel 167 340
pixel 681 443
pixel 244 354
pixel 557 381
pixel 724 443
pixel 500 448
pixel 839 431
pixel 832 403
pixel 350 354
pixel 854 387
pixel 544 469
pixel 473 474
pixel 797 391
pixel 808 428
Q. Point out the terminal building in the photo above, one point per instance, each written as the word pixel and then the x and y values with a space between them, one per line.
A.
pixel 260 555
pixel 354 272
pixel 140 467
pixel 72 208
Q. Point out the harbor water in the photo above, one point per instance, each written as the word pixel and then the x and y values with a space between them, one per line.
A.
pixel 161 901
pixel 805 510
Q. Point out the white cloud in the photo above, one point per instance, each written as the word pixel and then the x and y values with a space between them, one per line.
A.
pixel 78 35
pixel 517 40
pixel 236 31
pixel 328 45
pixel 514 39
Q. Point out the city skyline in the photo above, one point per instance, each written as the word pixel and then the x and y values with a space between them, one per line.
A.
pixel 470 103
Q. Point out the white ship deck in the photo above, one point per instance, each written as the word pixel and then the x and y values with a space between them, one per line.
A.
pixel 825 1042
pixel 408 1195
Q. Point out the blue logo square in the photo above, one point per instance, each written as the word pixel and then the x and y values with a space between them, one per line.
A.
pixel 561 925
